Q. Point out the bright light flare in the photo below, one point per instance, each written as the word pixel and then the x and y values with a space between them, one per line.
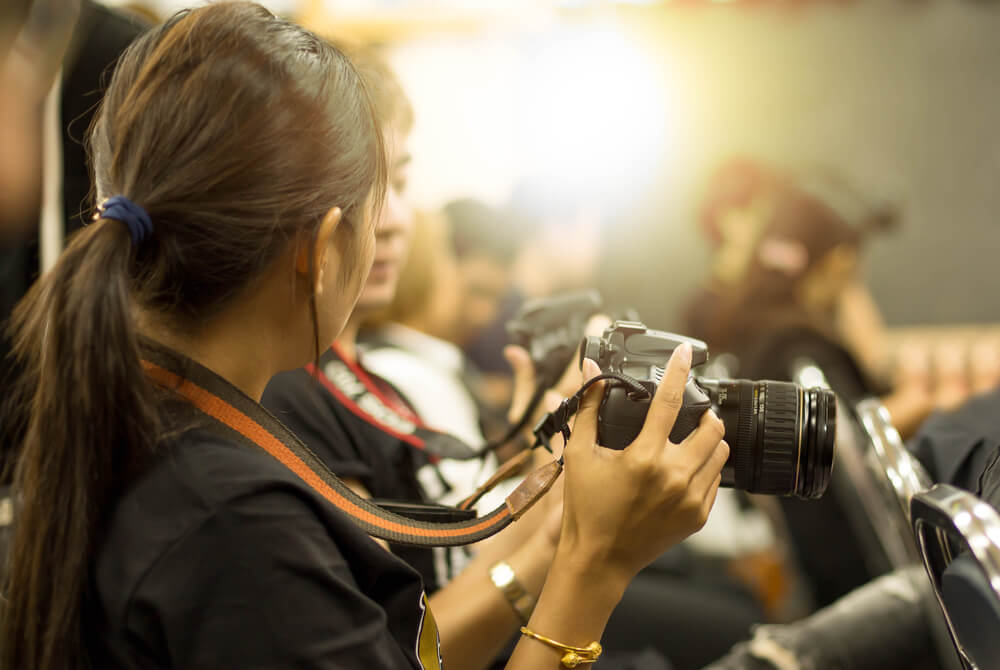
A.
pixel 594 113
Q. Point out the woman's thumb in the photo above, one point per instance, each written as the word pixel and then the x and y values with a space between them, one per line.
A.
pixel 519 359
pixel 524 377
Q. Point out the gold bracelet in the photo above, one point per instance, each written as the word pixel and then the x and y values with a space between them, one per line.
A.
pixel 572 656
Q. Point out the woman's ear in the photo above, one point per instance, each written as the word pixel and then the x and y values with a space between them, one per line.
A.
pixel 315 255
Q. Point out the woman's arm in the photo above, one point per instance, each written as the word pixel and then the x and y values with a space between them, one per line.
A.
pixel 579 596
pixel 473 616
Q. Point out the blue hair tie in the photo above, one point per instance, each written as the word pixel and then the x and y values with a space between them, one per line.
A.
pixel 132 215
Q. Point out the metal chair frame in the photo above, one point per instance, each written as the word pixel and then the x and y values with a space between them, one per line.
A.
pixel 885 478
pixel 904 473
pixel 947 512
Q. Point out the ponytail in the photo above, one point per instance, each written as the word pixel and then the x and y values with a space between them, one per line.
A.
pixel 90 416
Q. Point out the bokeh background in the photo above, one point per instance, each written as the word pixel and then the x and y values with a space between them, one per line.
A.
pixel 629 105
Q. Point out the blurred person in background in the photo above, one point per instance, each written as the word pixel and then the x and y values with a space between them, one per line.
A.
pixel 734 209
pixel 486 244
pixel 729 213
pixel 367 433
pixel 446 290
pixel 554 235
pixel 784 286
pixel 787 255
pixel 34 37
pixel 411 342
pixel 925 372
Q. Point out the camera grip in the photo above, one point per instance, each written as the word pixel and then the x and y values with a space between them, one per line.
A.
pixel 620 418
pixel 687 420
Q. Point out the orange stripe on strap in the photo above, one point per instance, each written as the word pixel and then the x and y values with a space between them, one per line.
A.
pixel 219 409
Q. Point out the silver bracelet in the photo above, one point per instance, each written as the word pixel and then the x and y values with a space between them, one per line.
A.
pixel 520 600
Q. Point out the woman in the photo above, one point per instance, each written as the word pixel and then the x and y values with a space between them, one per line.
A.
pixel 247 172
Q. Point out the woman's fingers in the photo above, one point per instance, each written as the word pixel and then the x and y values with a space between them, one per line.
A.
pixel 710 469
pixel 667 401
pixel 705 449
pixel 709 501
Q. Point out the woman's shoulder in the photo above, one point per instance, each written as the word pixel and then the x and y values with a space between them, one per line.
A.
pixel 218 542
pixel 196 479
pixel 207 468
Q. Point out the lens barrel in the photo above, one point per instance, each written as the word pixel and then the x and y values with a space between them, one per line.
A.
pixel 780 435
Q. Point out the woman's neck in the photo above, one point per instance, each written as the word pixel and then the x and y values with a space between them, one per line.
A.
pixel 347 341
pixel 245 359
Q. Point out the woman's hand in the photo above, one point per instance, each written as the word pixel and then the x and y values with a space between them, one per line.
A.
pixel 622 509
pixel 524 386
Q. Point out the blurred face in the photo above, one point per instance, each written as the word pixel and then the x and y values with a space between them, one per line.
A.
pixel 483 283
pixel 393 232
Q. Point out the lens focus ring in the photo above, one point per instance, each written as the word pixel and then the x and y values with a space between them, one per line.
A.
pixel 742 448
pixel 779 449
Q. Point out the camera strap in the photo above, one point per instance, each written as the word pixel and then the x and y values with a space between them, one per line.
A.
pixel 231 413
pixel 557 421
pixel 358 392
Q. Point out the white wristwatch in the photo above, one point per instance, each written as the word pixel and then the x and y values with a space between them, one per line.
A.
pixel 520 600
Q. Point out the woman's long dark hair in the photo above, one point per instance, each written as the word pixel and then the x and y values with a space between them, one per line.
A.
pixel 237 132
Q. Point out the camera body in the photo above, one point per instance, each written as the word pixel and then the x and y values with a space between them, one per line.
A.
pixel 550 329
pixel 630 349
pixel 780 435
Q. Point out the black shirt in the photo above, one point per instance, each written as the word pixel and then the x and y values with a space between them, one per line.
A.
pixel 220 557
pixel 962 447
pixel 775 354
pixel 353 448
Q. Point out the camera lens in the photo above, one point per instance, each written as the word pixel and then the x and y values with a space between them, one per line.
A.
pixel 780 435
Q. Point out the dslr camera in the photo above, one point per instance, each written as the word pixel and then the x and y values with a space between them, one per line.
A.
pixel 550 329
pixel 780 435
